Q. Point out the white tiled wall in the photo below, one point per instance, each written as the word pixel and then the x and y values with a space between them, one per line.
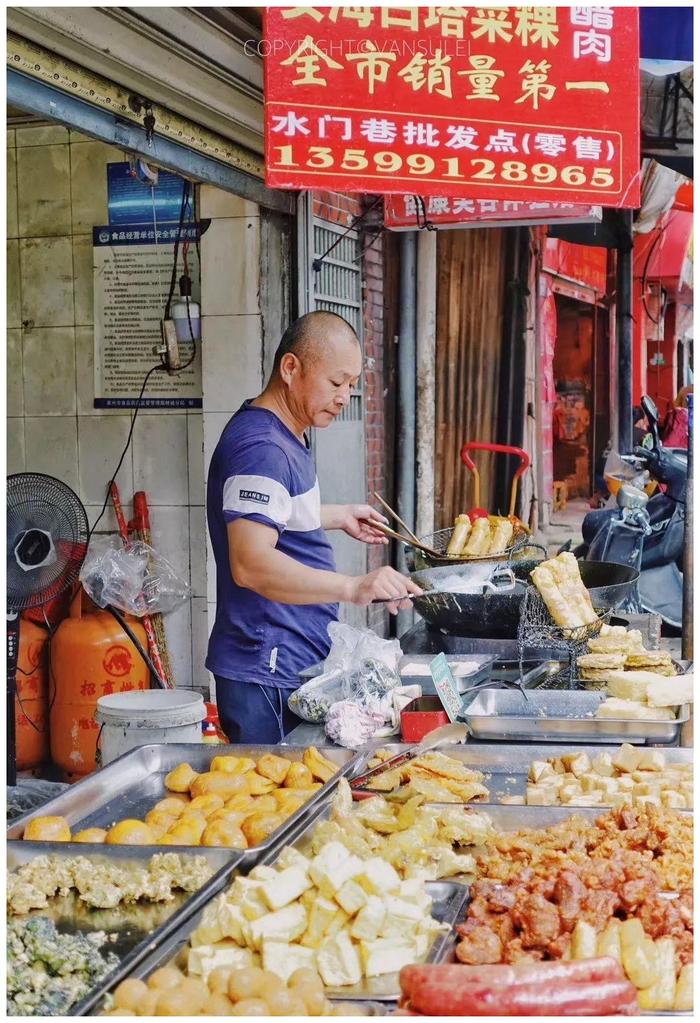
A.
pixel 56 193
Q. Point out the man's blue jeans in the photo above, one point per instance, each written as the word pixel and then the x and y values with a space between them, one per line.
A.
pixel 253 713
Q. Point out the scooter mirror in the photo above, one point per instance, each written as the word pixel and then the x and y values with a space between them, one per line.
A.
pixel 650 409
pixel 629 496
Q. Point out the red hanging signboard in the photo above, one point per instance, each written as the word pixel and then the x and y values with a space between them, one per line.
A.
pixel 529 103
pixel 409 212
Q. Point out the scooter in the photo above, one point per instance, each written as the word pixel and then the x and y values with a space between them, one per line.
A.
pixel 646 533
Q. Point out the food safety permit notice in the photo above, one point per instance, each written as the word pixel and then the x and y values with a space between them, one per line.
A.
pixel 446 687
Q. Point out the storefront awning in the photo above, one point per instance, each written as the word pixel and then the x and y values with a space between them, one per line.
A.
pixel 661 254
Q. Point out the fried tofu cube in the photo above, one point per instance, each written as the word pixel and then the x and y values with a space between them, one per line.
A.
pixel 638 954
pixel 386 955
pixel 589 783
pixel 368 923
pixel 570 791
pixel 333 866
pixel 284 925
pixel 660 996
pixel 351 897
pixel 339 921
pixel 540 769
pixel 648 800
pixel 541 795
pixel 608 786
pixel 338 961
pixel 683 1001
pixel 603 765
pixel 627 758
pixel 378 877
pixel 625 783
pixel 284 959
pixel 577 763
pixel 651 760
pixel 201 961
pixel 513 800
pixel 321 915
pixel 590 799
pixel 609 941
pixel 285 887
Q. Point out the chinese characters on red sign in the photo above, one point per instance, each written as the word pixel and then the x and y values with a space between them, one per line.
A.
pixel 488 103
pixel 407 212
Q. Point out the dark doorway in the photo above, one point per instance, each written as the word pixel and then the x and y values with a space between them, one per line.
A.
pixel 582 380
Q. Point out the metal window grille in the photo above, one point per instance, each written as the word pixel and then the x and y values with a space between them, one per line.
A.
pixel 338 288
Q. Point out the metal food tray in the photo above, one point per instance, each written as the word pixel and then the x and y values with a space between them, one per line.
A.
pixel 130 786
pixel 449 903
pixel 559 716
pixel 139 927
pixel 506 771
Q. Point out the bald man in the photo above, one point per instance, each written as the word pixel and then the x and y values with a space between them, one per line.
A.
pixel 277 589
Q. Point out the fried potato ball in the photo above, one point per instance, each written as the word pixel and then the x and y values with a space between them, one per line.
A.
pixel 47 829
pixel 164 978
pixel 130 994
pixel 246 982
pixel 217 1004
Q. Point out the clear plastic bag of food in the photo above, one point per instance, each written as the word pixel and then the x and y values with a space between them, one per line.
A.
pixel 360 667
pixel 134 578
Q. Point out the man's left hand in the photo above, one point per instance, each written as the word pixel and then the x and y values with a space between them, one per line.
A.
pixel 358 522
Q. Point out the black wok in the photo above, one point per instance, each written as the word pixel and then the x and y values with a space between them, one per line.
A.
pixel 497 614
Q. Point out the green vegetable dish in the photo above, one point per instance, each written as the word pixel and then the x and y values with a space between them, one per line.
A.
pixel 48 972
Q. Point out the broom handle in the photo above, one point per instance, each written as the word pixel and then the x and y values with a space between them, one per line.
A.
pixel 147 623
pixel 142 524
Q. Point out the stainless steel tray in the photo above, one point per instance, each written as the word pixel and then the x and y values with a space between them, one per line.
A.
pixel 506 768
pixel 130 786
pixel 449 903
pixel 554 716
pixel 139 928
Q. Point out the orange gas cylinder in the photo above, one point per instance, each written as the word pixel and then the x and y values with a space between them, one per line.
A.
pixel 32 699
pixel 91 656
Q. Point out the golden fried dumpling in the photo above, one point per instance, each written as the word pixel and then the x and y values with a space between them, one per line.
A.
pixel 298 777
pixel 47 829
pixel 272 767
pixel 259 786
pixel 160 822
pixel 219 783
pixel 207 804
pixel 290 806
pixel 232 765
pixel 130 832
pixel 260 826
pixel 180 778
pixel 243 803
pixel 321 767
pixel 91 836
pixel 172 806
pixel 223 833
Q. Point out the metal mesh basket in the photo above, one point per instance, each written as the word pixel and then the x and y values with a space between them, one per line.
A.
pixel 536 629
pixel 439 542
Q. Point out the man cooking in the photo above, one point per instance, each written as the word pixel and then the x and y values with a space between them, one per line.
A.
pixel 277 589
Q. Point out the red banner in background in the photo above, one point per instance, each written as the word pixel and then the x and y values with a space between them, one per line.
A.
pixel 530 103
pixel 583 264
pixel 408 212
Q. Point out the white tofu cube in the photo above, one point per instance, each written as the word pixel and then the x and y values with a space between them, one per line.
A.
pixel 378 877
pixel 627 758
pixel 233 921
pixel 291 857
pixel 338 961
pixel 540 769
pixel 603 765
pixel 201 961
pixel 262 873
pixel 369 921
pixel 283 959
pixel 541 795
pixel 322 913
pixel 651 760
pixel 386 956
pixel 351 897
pixel 580 765
pixel 285 887
pixel 333 866
pixel 286 925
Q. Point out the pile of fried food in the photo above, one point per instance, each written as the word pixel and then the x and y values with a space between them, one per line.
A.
pixel 419 842
pixel 236 804
pixel 620 888
pixel 632 776
pixel 339 914
pixel 482 536
pixel 435 776
pixel 103 884
pixel 652 835
pixel 226 992
pixel 559 583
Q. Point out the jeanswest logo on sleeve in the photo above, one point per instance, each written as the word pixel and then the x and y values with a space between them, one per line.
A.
pixel 254 495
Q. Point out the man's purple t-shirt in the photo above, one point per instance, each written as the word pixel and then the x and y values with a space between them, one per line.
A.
pixel 262 472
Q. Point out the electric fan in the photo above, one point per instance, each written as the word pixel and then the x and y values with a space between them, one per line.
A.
pixel 47 537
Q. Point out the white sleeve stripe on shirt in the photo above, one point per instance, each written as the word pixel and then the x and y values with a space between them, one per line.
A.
pixel 306 511
pixel 257 495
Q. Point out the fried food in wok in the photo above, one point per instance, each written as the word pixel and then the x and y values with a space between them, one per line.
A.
pixel 561 588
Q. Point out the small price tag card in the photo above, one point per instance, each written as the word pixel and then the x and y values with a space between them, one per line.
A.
pixel 446 687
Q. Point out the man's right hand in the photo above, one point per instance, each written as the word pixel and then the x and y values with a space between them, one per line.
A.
pixel 383 584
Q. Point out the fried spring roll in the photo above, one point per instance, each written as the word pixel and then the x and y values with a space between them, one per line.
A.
pixel 460 535
pixel 502 536
pixel 479 539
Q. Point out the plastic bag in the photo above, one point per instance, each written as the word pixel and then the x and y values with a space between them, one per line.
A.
pixel 361 666
pixel 618 469
pixel 134 578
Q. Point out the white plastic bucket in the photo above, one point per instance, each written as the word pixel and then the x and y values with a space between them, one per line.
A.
pixel 128 720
